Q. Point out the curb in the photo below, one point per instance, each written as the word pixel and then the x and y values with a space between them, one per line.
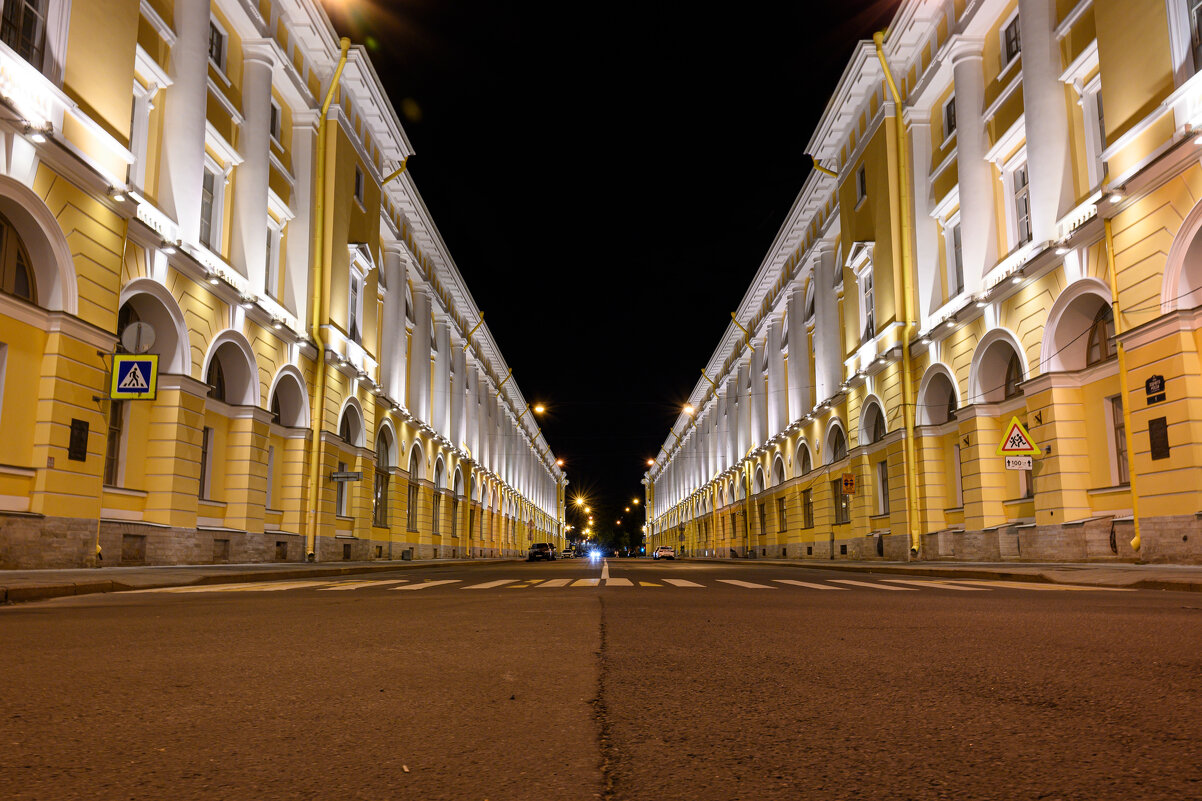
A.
pixel 927 569
pixel 41 592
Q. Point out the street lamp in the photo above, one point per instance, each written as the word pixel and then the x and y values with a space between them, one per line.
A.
pixel 688 409
pixel 635 501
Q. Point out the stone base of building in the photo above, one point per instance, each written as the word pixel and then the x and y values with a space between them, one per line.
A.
pixel 35 542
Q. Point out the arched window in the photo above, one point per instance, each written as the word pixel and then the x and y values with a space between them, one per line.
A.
pixel 807 463
pixel 216 380
pixel 838 449
pixel 415 469
pixel 1014 376
pixel 436 512
pixel 16 271
pixel 383 456
pixel 778 471
pixel 874 425
pixel 1100 334
pixel 276 412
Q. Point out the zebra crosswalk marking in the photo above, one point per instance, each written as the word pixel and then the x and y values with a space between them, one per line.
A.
pixel 683 583
pixel 943 585
pixel 488 585
pixel 811 585
pixel 874 585
pixel 524 585
pixel 427 585
pixel 556 583
pixel 1039 586
pixel 358 585
pixel 270 586
pixel 649 584
pixel 748 584
pixel 619 582
pixel 589 582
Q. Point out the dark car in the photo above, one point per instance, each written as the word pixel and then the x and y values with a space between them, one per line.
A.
pixel 541 550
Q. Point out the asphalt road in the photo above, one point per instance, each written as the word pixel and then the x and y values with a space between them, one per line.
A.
pixel 630 683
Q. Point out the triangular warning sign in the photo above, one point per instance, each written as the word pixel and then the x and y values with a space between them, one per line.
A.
pixel 134 381
pixel 1017 441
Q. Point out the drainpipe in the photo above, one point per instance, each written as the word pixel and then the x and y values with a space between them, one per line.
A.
pixel 907 269
pixel 1118 333
pixel 318 278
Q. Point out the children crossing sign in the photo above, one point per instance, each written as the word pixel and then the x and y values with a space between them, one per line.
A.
pixel 1016 441
pixel 135 377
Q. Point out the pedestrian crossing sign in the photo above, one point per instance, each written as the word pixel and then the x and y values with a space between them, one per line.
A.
pixel 849 483
pixel 1017 441
pixel 135 377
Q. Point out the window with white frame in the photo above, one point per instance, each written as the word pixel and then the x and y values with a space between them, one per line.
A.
pixel 955 258
pixel 139 131
pixel 354 328
pixel 1022 204
pixel 211 194
pixel 1118 441
pixel 1095 129
pixel 949 118
pixel 1195 31
pixel 882 487
pixel 869 301
pixel 1011 40
pixel 340 493
pixel 271 270
pixel 273 124
pixel 217 45
pixel 861 185
pixel 24 29
pixel 860 261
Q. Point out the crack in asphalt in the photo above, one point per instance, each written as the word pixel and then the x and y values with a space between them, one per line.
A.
pixel 601 716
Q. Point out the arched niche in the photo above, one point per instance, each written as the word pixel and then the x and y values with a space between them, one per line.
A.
pixel 1067 335
pixel 288 401
pixel 350 424
pixel 230 370
pixel 49 252
pixel 937 400
pixel 997 368
pixel 155 306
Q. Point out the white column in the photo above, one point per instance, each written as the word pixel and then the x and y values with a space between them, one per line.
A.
pixel 732 419
pixel 393 358
pixel 459 396
pixel 182 160
pixel 248 240
pixel 296 253
pixel 926 230
pixel 419 357
pixel 978 226
pixel 827 331
pixel 744 413
pixel 1049 169
pixel 800 400
pixel 475 378
pixel 441 396
pixel 777 400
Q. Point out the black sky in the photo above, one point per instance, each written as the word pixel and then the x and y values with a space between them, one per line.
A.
pixel 608 178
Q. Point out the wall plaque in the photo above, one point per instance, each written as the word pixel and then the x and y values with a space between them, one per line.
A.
pixel 77 446
pixel 1158 437
pixel 1154 389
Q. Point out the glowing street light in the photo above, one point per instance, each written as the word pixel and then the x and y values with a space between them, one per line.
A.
pixel 689 410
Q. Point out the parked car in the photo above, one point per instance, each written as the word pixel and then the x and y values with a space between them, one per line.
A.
pixel 664 552
pixel 541 550
pixel 567 553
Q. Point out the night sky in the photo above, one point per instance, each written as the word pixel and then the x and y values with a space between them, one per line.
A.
pixel 608 178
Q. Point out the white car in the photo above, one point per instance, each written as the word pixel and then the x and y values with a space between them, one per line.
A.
pixel 664 552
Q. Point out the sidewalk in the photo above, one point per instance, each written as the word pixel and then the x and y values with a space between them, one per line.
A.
pixel 32 585
pixel 1183 578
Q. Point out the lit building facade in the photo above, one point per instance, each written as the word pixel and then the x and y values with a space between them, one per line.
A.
pixel 1009 231
pixel 230 174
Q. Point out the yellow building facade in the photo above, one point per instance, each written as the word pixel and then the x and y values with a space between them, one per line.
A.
pixel 1004 226
pixel 225 179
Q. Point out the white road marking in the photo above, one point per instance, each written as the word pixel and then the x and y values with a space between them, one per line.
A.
pixel 426 585
pixel 490 584
pixel 605 568
pixel 683 583
pixel 808 584
pixel 943 585
pixel 273 586
pixel 748 584
pixel 874 586
pixel 556 583
pixel 649 584
pixel 358 585
pixel 586 582
pixel 618 582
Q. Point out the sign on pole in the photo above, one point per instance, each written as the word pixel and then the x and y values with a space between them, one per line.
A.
pixel 849 483
pixel 1018 463
pixel 1017 442
pixel 134 377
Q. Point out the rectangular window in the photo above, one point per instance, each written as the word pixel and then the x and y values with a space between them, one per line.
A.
pixel 208 205
pixel 949 117
pixel 112 449
pixel 359 185
pixel 807 507
pixel 270 475
pixel 1122 471
pixel 379 515
pixel 861 185
pixel 1195 30
pixel 435 523
pixel 882 487
pixel 781 520
pixel 273 124
pixel 271 274
pixel 1022 205
pixel 763 518
pixel 411 512
pixel 841 502
pixel 1011 41
pixel 958 474
pixel 216 46
pixel 869 305
pixel 956 262
pixel 340 493
pixel 24 29
pixel 454 516
pixel 356 299
pixel 734 524
pixel 471 521
pixel 206 455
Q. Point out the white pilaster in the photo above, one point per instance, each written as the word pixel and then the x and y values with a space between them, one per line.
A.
pixel 418 399
pixel 182 161
pixel 1049 167
pixel 777 401
pixel 978 225
pixel 248 240
pixel 799 357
